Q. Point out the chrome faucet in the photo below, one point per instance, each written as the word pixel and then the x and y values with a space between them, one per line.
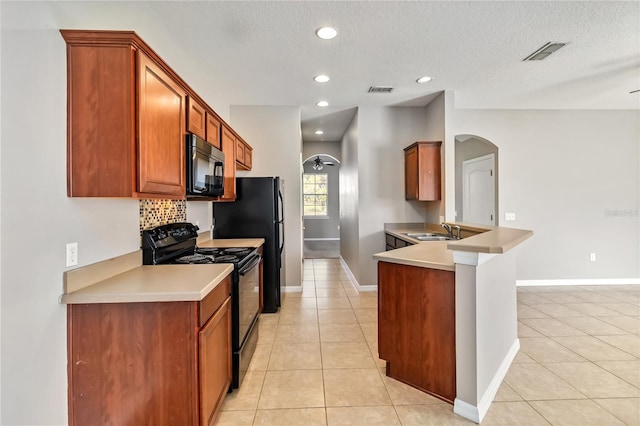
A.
pixel 448 228
pixel 457 228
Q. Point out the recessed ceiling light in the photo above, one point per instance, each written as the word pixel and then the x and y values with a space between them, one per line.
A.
pixel 319 132
pixel 321 78
pixel 326 33
pixel 323 104
pixel 424 79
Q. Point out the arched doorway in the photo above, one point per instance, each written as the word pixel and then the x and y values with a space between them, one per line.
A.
pixel 476 180
pixel 321 207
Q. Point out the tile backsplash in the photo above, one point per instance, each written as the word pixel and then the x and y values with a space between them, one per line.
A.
pixel 160 212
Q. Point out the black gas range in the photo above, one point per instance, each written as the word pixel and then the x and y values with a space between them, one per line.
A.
pixel 176 244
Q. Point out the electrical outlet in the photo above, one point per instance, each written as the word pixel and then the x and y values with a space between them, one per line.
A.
pixel 510 216
pixel 592 257
pixel 72 254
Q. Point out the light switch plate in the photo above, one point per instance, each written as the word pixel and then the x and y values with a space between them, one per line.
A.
pixel 510 216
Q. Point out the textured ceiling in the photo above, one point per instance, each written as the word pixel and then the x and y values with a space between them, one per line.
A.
pixel 266 53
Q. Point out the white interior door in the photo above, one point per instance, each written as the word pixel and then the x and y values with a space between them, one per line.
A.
pixel 478 190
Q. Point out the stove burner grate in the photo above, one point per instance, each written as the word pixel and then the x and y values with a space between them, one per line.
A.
pixel 226 258
pixel 194 258
pixel 237 250
pixel 208 250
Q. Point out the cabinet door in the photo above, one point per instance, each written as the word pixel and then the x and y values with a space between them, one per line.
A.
pixel 248 157
pixel 239 152
pixel 411 174
pixel 132 364
pixel 243 155
pixel 161 129
pixel 429 171
pixel 101 134
pixel 196 118
pixel 422 171
pixel 215 363
pixel 213 130
pixel 229 150
pixel 416 327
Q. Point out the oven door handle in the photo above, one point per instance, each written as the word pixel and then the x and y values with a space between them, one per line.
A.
pixel 249 266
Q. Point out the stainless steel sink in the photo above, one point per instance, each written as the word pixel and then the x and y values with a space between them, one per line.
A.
pixel 429 236
pixel 435 238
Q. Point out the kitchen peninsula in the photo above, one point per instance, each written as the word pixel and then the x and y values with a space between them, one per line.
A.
pixel 447 320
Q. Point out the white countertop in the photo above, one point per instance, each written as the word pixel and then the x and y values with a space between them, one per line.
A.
pixel 439 254
pixel 431 254
pixel 153 283
pixel 124 279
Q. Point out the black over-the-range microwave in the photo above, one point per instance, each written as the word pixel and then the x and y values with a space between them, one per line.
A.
pixel 205 168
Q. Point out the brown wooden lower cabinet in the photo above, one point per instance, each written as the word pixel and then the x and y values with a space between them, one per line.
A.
pixel 153 363
pixel 215 345
pixel 416 327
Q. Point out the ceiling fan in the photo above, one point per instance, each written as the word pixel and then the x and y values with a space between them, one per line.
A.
pixel 318 164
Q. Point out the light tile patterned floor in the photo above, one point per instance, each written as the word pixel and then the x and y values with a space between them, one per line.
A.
pixel 316 362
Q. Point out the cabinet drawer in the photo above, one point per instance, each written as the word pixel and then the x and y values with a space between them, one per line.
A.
pixel 214 300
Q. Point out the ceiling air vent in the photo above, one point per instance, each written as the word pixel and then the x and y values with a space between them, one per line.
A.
pixel 544 51
pixel 380 89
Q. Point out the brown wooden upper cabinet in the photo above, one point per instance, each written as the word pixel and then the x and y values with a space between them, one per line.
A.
pixel 244 154
pixel 229 150
pixel 213 130
pixel 422 171
pixel 196 118
pixel 239 152
pixel 203 122
pixel 126 118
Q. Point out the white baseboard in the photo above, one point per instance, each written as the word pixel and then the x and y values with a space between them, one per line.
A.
pixel 476 414
pixel 494 386
pixel 579 281
pixel 466 410
pixel 353 280
pixel 321 239
pixel 292 289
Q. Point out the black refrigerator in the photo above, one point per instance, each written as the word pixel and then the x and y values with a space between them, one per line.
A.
pixel 258 212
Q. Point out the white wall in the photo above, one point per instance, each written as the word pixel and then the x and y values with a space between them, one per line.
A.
pixel 313 148
pixel 383 133
pixel 349 210
pixel 37 219
pixel 275 136
pixel 573 178
pixel 434 116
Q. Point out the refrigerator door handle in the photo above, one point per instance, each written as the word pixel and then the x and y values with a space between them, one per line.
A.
pixel 281 207
pixel 281 225
pixel 281 220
